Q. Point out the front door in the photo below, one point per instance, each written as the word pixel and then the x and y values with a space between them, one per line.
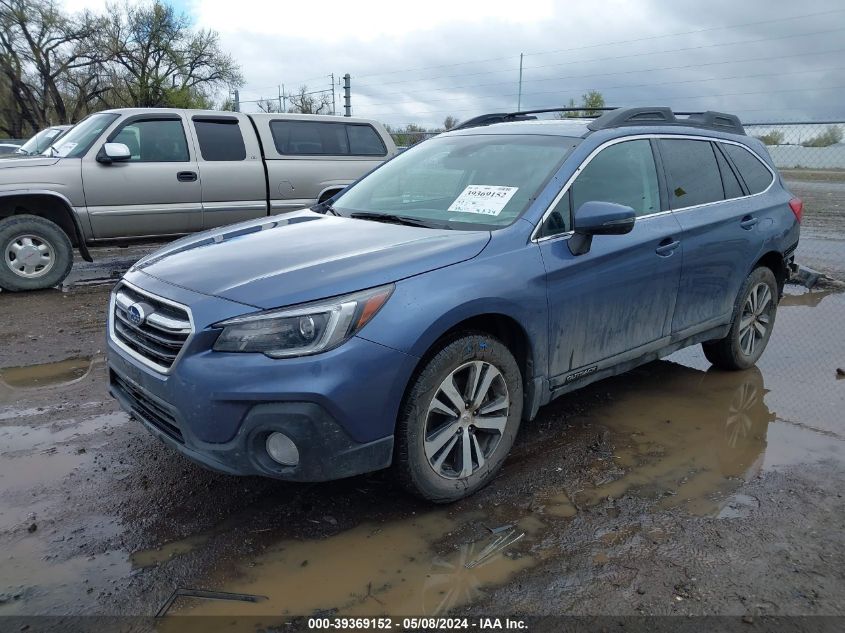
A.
pixel 619 297
pixel 156 192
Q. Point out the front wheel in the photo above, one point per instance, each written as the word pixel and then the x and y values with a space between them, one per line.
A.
pixel 459 419
pixel 34 253
pixel 754 319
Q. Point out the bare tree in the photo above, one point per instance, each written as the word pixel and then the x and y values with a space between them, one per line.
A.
pixel 269 105
pixel 449 122
pixel 47 63
pixel 154 58
pixel 310 102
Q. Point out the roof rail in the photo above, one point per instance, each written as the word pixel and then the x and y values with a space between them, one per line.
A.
pixel 664 116
pixel 524 115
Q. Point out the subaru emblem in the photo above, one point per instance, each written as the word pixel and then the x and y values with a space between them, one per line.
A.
pixel 136 313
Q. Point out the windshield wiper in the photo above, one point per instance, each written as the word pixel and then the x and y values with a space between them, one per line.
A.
pixel 325 208
pixel 397 219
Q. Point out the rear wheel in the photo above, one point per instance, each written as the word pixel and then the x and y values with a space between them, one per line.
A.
pixel 459 420
pixel 34 253
pixel 754 319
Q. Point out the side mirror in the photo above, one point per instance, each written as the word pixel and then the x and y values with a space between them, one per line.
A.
pixel 113 153
pixel 599 218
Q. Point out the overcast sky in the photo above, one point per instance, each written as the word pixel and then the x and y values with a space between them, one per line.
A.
pixel 417 63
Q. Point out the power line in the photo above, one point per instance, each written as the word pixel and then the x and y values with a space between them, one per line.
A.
pixel 623 86
pixel 628 72
pixel 630 41
pixel 614 57
pixel 706 96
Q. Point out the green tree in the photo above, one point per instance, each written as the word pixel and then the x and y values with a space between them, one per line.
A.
pixel 775 137
pixel 590 100
pixel 831 136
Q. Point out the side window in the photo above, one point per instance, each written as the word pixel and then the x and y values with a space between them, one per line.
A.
pixel 155 141
pixel 220 139
pixel 692 172
pixel 729 179
pixel 756 176
pixel 559 220
pixel 623 173
pixel 365 141
pixel 309 138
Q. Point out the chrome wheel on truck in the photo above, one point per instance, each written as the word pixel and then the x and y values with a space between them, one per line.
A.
pixel 459 419
pixel 34 253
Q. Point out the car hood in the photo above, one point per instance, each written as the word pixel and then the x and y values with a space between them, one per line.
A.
pixel 303 256
pixel 14 160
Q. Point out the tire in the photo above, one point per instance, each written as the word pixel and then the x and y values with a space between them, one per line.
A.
pixel 757 300
pixel 433 427
pixel 29 235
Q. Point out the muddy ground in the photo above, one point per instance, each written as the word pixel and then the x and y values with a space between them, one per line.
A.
pixel 674 489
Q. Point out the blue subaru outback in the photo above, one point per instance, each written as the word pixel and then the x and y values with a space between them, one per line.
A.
pixel 415 320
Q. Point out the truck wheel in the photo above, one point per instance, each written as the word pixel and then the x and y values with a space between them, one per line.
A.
pixel 459 420
pixel 754 319
pixel 34 253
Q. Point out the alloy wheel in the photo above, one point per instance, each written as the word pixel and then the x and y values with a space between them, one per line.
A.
pixel 755 318
pixel 466 419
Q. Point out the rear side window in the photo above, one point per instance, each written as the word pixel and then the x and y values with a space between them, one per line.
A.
pixel 692 171
pixel 220 140
pixel 315 138
pixel 729 179
pixel 364 141
pixel 756 175
pixel 623 173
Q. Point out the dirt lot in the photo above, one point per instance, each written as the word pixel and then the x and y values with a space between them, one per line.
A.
pixel 674 489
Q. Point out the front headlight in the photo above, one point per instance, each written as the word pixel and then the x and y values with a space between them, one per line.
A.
pixel 301 330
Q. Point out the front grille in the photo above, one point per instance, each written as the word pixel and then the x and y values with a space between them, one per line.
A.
pixel 148 409
pixel 160 335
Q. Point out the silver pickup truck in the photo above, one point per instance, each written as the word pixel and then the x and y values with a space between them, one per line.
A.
pixel 133 174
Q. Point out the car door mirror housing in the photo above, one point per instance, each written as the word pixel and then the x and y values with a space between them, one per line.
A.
pixel 113 153
pixel 599 218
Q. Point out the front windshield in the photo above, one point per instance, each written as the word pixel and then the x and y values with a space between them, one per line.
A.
pixel 80 138
pixel 473 182
pixel 39 142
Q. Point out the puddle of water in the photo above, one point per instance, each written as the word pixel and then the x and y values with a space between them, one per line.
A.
pixel 30 438
pixel 49 586
pixel 369 570
pixel 153 557
pixel 47 374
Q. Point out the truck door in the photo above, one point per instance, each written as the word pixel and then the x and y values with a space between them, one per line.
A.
pixel 234 185
pixel 155 192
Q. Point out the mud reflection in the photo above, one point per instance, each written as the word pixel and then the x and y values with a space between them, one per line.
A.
pixel 57 374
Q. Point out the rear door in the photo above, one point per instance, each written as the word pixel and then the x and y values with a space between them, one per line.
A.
pixel 616 300
pixel 156 192
pixel 234 186
pixel 719 230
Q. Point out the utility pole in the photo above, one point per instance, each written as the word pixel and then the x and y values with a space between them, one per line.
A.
pixel 519 98
pixel 347 95
pixel 237 98
pixel 280 98
pixel 334 103
pixel 284 99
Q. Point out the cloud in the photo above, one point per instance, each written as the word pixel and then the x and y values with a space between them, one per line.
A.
pixel 418 62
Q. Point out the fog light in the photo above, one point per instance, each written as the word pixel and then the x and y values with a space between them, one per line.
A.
pixel 282 449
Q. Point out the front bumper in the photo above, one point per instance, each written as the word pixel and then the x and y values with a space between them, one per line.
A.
pixel 339 407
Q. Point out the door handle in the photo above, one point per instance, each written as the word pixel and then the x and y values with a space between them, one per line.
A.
pixel 748 222
pixel 186 176
pixel 667 247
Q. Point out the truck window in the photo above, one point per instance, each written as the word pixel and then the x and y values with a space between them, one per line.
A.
pixel 692 172
pixel 364 141
pixel 756 176
pixel 310 138
pixel 154 141
pixel 220 139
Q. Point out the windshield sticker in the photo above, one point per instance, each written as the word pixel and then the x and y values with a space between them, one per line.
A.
pixel 484 199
